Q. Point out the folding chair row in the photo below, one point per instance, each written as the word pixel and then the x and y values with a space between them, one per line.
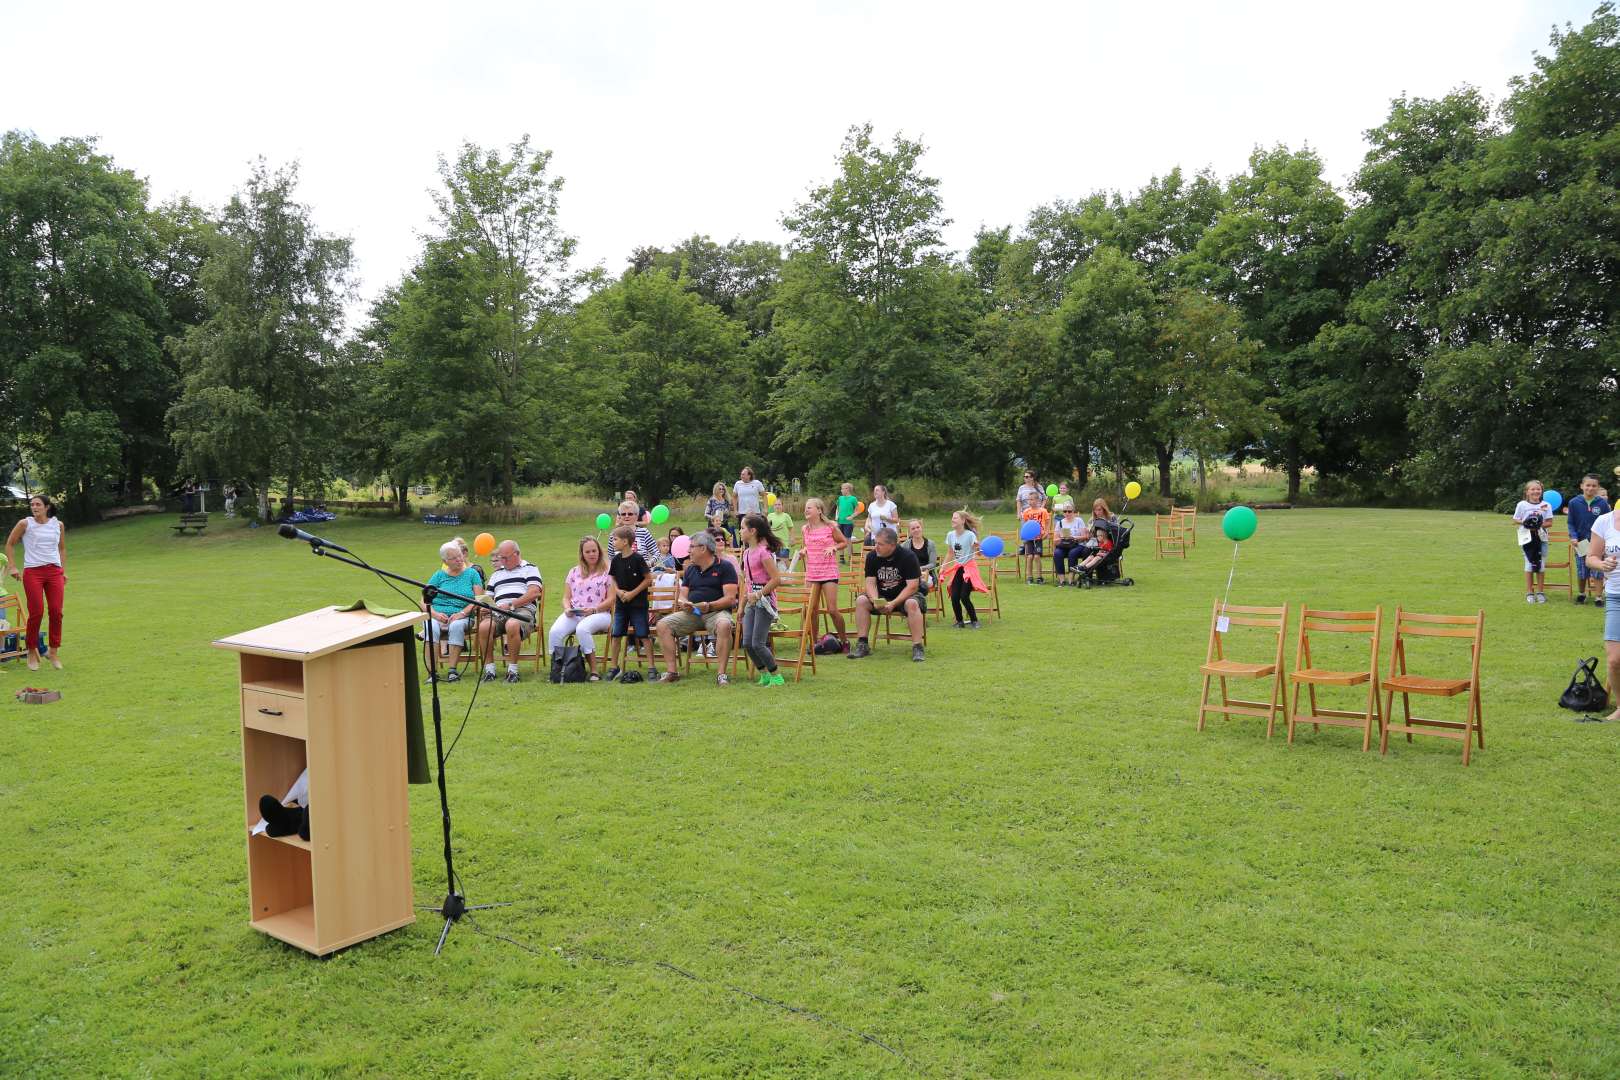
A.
pixel 1308 676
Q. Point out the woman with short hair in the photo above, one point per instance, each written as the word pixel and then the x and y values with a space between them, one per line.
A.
pixel 450 612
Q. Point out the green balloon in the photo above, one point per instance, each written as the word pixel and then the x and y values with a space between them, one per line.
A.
pixel 603 521
pixel 660 514
pixel 1051 491
pixel 1239 523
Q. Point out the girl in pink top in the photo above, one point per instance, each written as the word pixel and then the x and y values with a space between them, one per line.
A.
pixel 760 578
pixel 823 540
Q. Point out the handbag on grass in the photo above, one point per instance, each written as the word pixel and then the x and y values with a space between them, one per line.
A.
pixel 1585 692
pixel 568 663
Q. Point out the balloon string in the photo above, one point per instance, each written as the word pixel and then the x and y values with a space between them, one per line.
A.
pixel 1229 574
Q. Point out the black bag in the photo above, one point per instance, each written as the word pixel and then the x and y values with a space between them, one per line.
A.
pixel 567 664
pixel 1585 692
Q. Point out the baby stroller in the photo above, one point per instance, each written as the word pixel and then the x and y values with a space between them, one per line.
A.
pixel 1109 571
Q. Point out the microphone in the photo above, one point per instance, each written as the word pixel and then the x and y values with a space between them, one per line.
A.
pixel 290 532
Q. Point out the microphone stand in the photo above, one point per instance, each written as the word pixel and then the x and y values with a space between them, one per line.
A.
pixel 455 906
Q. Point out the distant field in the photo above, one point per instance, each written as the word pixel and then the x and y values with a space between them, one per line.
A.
pixel 1015 860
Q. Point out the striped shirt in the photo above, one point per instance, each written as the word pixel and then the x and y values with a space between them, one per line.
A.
pixel 510 584
pixel 646 544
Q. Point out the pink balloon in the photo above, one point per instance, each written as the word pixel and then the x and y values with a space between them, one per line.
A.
pixel 682 547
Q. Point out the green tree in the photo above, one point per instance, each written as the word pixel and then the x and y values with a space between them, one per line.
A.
pixel 668 366
pixel 257 399
pixel 80 321
pixel 1207 389
pixel 874 323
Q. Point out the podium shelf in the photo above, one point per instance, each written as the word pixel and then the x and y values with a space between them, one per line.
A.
pixel 295 927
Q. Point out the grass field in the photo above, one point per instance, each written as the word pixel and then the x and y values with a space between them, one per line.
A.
pixel 1015 860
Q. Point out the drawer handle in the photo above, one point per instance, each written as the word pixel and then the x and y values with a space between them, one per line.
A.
pixel 270 712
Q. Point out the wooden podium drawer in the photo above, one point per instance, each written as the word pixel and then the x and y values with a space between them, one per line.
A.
pixel 274 713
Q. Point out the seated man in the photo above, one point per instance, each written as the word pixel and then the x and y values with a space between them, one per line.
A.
pixel 515 586
pixel 892 580
pixel 706 601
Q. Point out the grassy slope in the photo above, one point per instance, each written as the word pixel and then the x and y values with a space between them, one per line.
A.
pixel 1016 860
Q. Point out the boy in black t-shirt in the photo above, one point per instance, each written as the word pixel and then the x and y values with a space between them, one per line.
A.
pixel 631 580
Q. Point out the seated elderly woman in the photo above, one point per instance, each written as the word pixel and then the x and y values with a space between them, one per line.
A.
pixel 449 613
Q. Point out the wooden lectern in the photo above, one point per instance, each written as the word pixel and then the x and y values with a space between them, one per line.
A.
pixel 312 699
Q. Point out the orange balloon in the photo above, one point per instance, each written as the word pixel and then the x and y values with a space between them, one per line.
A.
pixel 483 543
pixel 860 507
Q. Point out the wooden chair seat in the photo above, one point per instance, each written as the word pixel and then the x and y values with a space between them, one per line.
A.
pixel 1224 620
pixel 1325 677
pixel 1423 684
pixel 1236 668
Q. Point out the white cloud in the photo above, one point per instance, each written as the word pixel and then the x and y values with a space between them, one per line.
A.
pixel 672 119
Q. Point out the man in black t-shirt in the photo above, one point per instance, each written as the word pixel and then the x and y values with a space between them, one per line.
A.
pixel 892 580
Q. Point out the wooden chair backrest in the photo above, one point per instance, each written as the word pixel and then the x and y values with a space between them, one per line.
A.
pixel 1274 619
pixel 1323 621
pixel 1412 624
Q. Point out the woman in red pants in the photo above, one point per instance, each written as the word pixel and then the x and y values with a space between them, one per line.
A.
pixel 44 573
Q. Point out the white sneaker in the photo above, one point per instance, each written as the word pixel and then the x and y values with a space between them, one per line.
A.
pixel 708 650
pixel 1541 598
pixel 1529 597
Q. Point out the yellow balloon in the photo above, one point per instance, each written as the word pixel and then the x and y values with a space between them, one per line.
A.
pixel 770 498
pixel 1132 490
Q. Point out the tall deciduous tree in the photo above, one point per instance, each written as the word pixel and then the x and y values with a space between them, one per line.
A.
pixel 1208 390
pixel 80 320
pixel 257 399
pixel 874 322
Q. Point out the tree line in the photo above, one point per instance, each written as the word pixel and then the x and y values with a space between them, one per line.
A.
pixel 1434 333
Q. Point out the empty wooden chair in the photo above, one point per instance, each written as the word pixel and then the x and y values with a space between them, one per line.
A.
pixel 1217 665
pixel 1186 520
pixel 1409 624
pixel 1559 562
pixel 1307 676
pixel 1168 539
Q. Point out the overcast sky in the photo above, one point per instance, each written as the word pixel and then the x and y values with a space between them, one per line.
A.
pixel 671 119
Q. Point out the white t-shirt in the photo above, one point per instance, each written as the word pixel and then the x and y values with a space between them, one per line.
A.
pixel 1606 529
pixel 42 543
pixel 1024 494
pixel 961 544
pixel 1524 509
pixel 1075 529
pixel 881 515
pixel 749 494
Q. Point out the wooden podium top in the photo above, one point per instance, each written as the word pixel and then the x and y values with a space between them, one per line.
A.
pixel 316 633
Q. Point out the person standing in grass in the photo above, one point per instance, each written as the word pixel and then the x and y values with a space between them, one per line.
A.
pixel 961 575
pixel 822 542
pixel 1026 491
pixel 1032 549
pixel 1584 509
pixel 44 573
pixel 718 510
pixel 1530 517
pixel 749 497
pixel 632 577
pixel 781 523
pixel 845 515
pixel 760 579
pixel 1603 557
pixel 645 542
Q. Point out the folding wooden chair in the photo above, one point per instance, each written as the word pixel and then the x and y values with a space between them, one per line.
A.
pixel 1558 541
pixel 888 633
pixel 1168 539
pixel 1410 624
pixel 796 611
pixel 734 662
pixel 991 602
pixel 657 595
pixel 1011 546
pixel 1217 666
pixel 11 611
pixel 1307 676
pixel 1185 518
pixel 533 644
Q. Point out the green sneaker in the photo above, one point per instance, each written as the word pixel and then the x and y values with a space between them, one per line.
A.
pixel 764 678
pixel 778 679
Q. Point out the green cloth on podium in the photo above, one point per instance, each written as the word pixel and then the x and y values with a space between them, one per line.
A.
pixel 416 756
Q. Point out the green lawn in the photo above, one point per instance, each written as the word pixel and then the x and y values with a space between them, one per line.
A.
pixel 1016 860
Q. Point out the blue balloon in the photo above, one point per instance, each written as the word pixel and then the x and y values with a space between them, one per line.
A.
pixel 992 547
pixel 1031 530
pixel 1554 500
